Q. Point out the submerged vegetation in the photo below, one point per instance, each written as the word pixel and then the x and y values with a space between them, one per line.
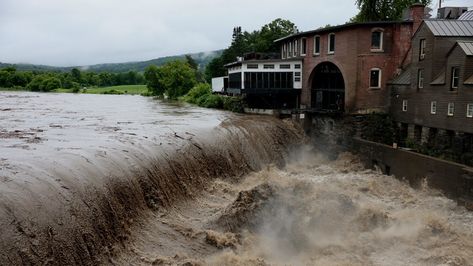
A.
pixel 201 95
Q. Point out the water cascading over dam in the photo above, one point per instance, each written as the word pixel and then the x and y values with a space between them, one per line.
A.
pixel 128 180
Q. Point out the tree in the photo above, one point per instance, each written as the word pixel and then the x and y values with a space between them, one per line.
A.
pixel 191 62
pixel 261 41
pixel 383 10
pixel 153 78
pixel 76 75
pixel 177 78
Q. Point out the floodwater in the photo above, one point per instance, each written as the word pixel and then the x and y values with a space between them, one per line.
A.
pixel 128 180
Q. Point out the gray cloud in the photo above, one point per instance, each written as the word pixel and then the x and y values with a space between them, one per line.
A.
pixel 79 32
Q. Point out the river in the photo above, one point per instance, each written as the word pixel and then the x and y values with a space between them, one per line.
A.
pixel 129 180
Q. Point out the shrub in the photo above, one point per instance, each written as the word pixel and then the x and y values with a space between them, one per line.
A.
pixel 197 92
pixel 211 101
pixel 234 104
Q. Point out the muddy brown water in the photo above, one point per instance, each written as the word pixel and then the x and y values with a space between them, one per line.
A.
pixel 128 180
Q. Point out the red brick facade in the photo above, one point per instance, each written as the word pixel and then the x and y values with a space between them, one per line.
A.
pixel 355 59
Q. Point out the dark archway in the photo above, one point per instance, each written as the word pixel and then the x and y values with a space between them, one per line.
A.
pixel 328 88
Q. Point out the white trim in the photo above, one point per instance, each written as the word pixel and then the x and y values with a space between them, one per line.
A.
pixel 457 77
pixel 469 110
pixel 320 45
pixel 451 109
pixel 329 43
pixel 433 107
pixel 420 85
pixel 404 105
pixel 422 43
pixel 303 53
pixel 379 77
pixel 381 41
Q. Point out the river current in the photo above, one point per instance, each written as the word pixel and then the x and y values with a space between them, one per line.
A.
pixel 129 180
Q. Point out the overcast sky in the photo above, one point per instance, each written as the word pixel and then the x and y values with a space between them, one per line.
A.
pixel 83 32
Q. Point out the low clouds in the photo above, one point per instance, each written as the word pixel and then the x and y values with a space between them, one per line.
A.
pixel 80 32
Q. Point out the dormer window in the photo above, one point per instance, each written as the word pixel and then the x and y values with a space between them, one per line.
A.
pixel 455 78
pixel 331 43
pixel 377 40
pixel 421 49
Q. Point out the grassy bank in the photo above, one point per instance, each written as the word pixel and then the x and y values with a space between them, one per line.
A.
pixel 123 89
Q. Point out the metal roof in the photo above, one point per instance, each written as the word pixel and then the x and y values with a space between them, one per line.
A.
pixel 447 28
pixel 468 15
pixel 467 47
pixel 403 79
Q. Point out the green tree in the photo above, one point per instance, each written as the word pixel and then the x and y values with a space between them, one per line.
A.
pixel 383 10
pixel 153 76
pixel 277 29
pixel 76 75
pixel 177 78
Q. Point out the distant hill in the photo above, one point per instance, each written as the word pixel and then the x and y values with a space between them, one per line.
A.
pixel 202 59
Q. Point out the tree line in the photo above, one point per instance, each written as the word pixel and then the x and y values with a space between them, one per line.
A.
pixel 75 79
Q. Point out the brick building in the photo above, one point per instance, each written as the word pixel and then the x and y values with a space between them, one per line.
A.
pixel 346 68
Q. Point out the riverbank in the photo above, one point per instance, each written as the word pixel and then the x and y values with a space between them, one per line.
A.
pixel 121 89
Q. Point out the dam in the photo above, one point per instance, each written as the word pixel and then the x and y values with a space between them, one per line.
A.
pixel 129 180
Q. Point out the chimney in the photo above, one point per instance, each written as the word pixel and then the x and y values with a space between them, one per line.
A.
pixel 416 15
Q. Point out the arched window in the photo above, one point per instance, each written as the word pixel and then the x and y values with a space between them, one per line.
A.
pixel 377 40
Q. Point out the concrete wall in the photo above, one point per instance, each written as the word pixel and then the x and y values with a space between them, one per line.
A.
pixel 455 180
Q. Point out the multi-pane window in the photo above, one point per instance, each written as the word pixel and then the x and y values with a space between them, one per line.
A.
pixel 451 109
pixel 297 76
pixel 331 43
pixel 289 51
pixel 303 46
pixel 420 78
pixel 404 105
pixel 377 40
pixel 375 78
pixel 422 49
pixel 297 66
pixel 433 107
pixel 268 80
pixel 296 48
pixel 269 66
pixel 469 110
pixel 455 78
pixel 284 51
pixel 316 45
pixel 252 66
pixel 285 66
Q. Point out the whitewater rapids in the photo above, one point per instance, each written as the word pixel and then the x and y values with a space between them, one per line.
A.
pixel 127 180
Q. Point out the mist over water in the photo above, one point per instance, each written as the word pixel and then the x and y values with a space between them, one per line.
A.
pixel 126 180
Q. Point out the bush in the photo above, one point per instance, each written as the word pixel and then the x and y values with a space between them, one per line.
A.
pixel 202 89
pixel 112 91
pixel 234 104
pixel 211 101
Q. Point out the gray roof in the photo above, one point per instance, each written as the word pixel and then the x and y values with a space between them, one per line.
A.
pixel 447 28
pixel 468 15
pixel 467 47
pixel 440 79
pixel 403 79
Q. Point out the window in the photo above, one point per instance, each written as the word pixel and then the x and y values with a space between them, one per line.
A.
pixel 289 51
pixel 284 51
pixel 404 105
pixel 469 110
pixel 375 78
pixel 316 45
pixel 377 40
pixel 252 66
pixel 296 48
pixel 331 43
pixel 420 79
pixel 455 78
pixel 297 66
pixel 268 66
pixel 303 46
pixel 297 76
pixel 433 107
pixel 422 49
pixel 451 109
pixel 285 66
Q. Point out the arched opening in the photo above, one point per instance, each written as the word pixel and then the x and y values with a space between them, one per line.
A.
pixel 328 88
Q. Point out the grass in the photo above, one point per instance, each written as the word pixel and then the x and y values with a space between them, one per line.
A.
pixel 122 89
